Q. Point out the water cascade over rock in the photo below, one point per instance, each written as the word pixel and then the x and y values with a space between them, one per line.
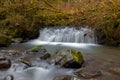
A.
pixel 75 35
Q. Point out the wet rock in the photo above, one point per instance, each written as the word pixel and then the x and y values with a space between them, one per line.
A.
pixel 10 52
pixel 45 56
pixel 4 63
pixel 26 61
pixel 71 64
pixel 115 71
pixel 38 49
pixel 9 77
pixel 68 58
pixel 84 73
pixel 17 40
pixel 63 77
pixel 4 40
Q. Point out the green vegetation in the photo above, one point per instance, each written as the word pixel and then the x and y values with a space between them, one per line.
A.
pixel 24 18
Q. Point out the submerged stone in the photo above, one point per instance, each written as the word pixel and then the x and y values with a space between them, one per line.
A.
pixel 86 73
pixel 63 77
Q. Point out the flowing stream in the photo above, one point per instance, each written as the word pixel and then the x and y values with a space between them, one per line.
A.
pixel 76 35
pixel 97 57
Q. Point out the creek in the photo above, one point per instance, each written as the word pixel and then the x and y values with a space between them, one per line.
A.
pixel 97 57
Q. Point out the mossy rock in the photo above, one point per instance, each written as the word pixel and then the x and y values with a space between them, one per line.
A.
pixel 77 56
pixel 4 40
pixel 37 50
pixel 69 58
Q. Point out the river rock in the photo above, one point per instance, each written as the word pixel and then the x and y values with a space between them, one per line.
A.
pixel 26 61
pixel 4 40
pixel 4 63
pixel 10 52
pixel 69 58
pixel 17 40
pixel 37 49
pixel 71 64
pixel 115 70
pixel 45 56
pixel 9 77
pixel 63 77
pixel 87 73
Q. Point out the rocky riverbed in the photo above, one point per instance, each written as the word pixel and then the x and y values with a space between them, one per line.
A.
pixel 39 64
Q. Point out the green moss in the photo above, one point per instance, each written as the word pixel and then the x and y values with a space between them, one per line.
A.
pixel 36 49
pixel 77 56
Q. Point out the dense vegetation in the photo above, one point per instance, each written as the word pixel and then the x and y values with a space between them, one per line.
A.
pixel 24 18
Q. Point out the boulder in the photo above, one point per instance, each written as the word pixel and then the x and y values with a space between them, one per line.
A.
pixel 4 40
pixel 69 58
pixel 4 63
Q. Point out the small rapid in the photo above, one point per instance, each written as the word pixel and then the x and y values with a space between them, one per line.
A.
pixel 97 57
pixel 66 34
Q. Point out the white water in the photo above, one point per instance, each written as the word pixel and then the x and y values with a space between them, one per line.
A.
pixel 53 47
pixel 39 73
pixel 66 34
pixel 96 56
pixel 53 40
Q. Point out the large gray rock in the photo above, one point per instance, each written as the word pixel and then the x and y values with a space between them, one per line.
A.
pixel 69 58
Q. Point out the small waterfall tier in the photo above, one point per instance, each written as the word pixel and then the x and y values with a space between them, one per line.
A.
pixel 76 35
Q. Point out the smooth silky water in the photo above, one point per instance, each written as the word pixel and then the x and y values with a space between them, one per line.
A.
pixel 97 57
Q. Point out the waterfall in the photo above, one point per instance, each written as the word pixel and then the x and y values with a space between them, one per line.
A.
pixel 67 34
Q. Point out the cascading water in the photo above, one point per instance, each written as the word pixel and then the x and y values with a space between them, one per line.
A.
pixel 99 58
pixel 66 34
